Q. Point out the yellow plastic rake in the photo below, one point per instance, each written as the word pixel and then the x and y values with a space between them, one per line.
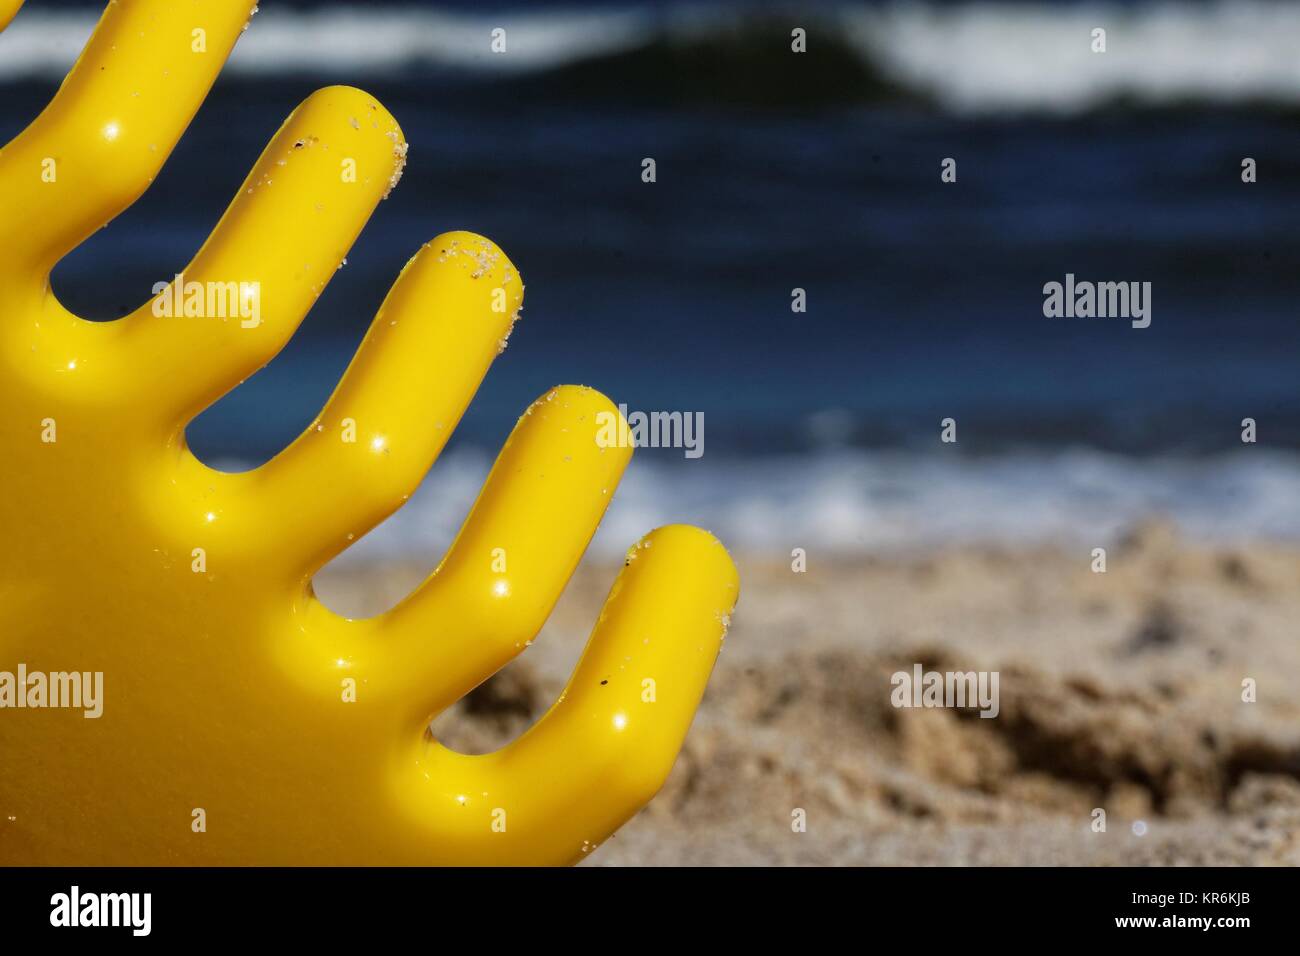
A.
pixel 242 721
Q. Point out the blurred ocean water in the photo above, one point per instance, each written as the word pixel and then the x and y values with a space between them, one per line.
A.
pixel 818 171
pixel 895 502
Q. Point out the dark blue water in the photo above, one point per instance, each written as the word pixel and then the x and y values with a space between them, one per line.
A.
pixel 924 298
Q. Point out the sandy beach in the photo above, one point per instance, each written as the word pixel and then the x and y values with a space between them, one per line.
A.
pixel 1119 690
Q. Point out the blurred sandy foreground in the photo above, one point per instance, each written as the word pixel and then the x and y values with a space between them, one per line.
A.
pixel 1119 690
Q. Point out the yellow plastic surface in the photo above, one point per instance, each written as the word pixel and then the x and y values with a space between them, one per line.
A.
pixel 225 681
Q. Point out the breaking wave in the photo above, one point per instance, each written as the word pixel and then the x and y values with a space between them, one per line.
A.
pixel 853 501
pixel 966 58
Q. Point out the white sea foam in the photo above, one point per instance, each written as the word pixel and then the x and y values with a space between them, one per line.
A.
pixel 1004 56
pixel 360 40
pixel 971 58
pixel 895 501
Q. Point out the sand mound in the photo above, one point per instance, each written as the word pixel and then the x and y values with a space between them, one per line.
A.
pixel 1119 691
